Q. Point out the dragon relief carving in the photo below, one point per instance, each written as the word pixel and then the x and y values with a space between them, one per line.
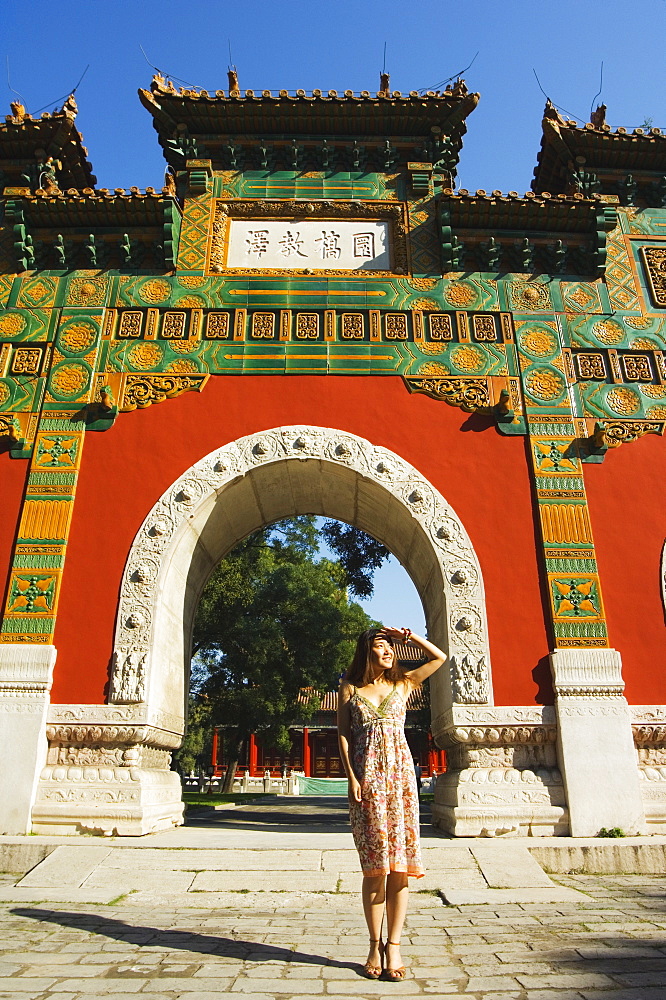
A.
pixel 469 680
pixel 128 680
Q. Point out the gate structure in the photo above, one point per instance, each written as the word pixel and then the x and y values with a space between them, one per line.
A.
pixel 310 318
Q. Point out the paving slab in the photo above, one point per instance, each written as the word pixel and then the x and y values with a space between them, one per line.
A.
pixel 510 866
pixel 19 894
pixel 66 866
pixel 240 880
pixel 226 859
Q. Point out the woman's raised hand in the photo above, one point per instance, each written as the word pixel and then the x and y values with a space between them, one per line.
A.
pixel 397 634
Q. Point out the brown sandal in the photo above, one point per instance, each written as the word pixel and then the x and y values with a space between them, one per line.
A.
pixel 395 975
pixel 373 971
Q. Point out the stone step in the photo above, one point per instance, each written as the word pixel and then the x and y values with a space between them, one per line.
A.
pixel 65 867
pixel 510 866
pixel 462 874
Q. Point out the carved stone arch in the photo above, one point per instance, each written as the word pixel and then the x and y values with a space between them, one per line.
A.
pixel 259 479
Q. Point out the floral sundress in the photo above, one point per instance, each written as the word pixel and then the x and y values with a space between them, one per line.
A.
pixel 385 823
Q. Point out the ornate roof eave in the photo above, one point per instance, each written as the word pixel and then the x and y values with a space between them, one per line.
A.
pixel 601 147
pixel 56 133
pixel 234 113
pixel 542 211
pixel 93 208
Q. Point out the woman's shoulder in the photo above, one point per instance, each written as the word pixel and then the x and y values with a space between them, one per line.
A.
pixel 345 690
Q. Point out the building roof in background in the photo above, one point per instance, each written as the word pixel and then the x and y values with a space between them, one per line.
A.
pixel 407 656
pixel 568 149
pixel 27 143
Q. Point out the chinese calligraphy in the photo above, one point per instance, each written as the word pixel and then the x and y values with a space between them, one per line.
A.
pixel 257 241
pixel 329 245
pixel 308 243
pixel 291 244
pixel 364 245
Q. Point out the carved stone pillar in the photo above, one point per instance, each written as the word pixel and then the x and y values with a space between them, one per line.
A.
pixel 595 745
pixel 108 771
pixel 649 726
pixel 25 682
pixel 502 776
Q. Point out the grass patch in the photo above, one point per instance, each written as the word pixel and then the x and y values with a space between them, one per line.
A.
pixel 200 800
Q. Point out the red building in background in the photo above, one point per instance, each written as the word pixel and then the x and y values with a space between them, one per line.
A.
pixel 314 748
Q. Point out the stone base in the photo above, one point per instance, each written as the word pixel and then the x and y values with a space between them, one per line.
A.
pixel 25 683
pixel 108 801
pixel 649 730
pixel 480 803
pixel 502 778
pixel 595 747
pixel 653 794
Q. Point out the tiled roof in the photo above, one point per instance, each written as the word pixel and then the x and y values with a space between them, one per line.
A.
pixel 406 654
pixel 21 136
pixel 566 146
pixel 326 113
pixel 543 211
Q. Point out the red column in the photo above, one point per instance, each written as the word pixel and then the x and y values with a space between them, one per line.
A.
pixel 252 756
pixel 214 751
pixel 306 751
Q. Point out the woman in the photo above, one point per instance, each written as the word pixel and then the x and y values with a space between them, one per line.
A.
pixel 383 799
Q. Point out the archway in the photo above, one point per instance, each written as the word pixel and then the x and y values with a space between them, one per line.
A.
pixel 126 786
pixel 261 479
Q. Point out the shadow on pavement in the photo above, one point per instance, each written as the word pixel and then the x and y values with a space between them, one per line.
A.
pixel 155 937
pixel 307 814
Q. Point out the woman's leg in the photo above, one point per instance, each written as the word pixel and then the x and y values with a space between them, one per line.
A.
pixel 397 897
pixel 374 898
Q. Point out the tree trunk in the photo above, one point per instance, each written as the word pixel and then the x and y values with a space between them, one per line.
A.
pixel 235 751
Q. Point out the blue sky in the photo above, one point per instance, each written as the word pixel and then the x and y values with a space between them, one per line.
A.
pixel 339 45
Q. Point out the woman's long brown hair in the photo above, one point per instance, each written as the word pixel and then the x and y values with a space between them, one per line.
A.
pixel 360 672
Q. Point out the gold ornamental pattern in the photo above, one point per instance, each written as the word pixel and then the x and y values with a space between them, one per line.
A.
pixel 468 393
pixel 144 390
pixel 625 431
pixel 565 523
pixel 654 259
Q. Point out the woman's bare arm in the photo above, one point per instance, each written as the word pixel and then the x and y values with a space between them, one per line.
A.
pixel 344 732
pixel 437 656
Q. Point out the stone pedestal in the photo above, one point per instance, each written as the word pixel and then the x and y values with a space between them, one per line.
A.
pixel 108 772
pixel 25 682
pixel 502 777
pixel 649 726
pixel 595 744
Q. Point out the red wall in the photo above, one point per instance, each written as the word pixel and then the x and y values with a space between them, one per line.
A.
pixel 126 469
pixel 13 476
pixel 626 495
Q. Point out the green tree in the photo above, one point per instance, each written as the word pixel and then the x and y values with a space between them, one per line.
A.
pixel 273 620
pixel 359 555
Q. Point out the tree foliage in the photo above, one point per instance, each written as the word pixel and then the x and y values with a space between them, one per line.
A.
pixel 273 620
pixel 359 555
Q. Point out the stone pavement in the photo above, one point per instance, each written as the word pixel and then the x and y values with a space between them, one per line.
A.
pixel 266 906
pixel 608 945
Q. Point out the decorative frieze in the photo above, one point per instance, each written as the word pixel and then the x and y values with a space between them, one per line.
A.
pixel 502 774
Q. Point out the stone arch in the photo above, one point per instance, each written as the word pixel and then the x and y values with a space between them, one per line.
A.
pixel 261 478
